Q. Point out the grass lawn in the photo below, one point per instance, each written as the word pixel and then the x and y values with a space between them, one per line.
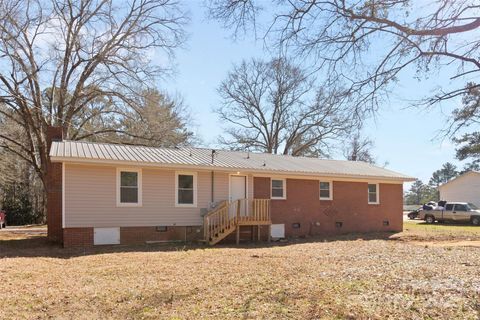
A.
pixel 380 276
pixel 439 232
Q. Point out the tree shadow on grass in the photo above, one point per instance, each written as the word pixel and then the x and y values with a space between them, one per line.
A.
pixel 39 246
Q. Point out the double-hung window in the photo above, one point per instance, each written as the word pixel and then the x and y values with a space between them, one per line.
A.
pixel 373 193
pixel 326 190
pixel 129 185
pixel 279 189
pixel 186 189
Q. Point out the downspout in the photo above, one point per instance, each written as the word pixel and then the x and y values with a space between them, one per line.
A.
pixel 212 191
pixel 213 188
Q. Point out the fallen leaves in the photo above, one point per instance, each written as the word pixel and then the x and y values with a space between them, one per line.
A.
pixel 340 278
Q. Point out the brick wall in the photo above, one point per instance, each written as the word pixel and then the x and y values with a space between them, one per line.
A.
pixel 348 207
pixel 77 237
pixel 83 237
pixel 139 235
pixel 54 191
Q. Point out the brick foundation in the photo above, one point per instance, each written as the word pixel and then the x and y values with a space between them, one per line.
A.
pixel 83 237
pixel 140 235
pixel 77 237
pixel 348 207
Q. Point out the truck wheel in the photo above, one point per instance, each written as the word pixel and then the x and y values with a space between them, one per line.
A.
pixel 476 221
pixel 429 219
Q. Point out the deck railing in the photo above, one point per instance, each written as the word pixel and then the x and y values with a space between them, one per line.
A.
pixel 217 220
pixel 228 215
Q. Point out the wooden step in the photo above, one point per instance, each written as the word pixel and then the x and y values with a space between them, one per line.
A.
pixel 221 236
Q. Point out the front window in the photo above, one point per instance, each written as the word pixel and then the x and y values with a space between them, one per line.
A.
pixel 325 190
pixel 461 207
pixel 373 193
pixel 129 187
pixel 186 189
pixel 472 206
pixel 278 189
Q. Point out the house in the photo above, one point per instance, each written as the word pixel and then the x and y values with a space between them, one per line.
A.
pixel 117 194
pixel 464 188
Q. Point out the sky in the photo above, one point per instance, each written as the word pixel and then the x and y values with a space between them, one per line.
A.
pixel 405 137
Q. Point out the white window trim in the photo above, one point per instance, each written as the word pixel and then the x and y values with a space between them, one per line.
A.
pixel 186 205
pixel 284 189
pixel 330 185
pixel 378 194
pixel 140 193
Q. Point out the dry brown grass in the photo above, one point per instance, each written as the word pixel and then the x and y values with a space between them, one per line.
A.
pixel 346 277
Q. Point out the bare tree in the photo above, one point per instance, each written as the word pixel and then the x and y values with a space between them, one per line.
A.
pixel 358 148
pixel 273 107
pixel 367 44
pixel 73 63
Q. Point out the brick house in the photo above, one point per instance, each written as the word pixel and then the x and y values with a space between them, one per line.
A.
pixel 118 194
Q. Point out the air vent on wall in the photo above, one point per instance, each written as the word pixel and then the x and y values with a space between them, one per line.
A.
pixel 161 229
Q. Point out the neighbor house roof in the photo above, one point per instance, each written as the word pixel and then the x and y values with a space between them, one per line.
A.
pixel 188 157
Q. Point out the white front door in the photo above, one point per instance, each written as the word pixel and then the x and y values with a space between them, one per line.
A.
pixel 238 190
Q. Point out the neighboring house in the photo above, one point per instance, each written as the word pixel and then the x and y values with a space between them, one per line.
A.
pixel 464 188
pixel 110 194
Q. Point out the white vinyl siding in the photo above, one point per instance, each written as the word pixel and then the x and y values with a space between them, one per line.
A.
pixel 465 188
pixel 90 198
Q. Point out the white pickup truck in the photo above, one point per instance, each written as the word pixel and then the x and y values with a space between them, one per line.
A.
pixel 453 211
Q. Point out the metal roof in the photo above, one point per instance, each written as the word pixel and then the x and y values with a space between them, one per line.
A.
pixel 77 151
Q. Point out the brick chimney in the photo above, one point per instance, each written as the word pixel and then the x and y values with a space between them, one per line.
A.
pixel 54 190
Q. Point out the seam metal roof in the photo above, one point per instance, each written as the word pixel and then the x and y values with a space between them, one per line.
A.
pixel 79 151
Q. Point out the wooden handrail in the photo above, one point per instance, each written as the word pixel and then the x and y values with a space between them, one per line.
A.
pixel 228 215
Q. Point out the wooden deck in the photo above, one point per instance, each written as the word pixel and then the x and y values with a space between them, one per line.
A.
pixel 229 216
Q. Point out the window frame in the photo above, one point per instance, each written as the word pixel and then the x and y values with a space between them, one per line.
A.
pixel 377 189
pixel 284 184
pixel 195 189
pixel 139 202
pixel 449 204
pixel 330 190
pixel 459 204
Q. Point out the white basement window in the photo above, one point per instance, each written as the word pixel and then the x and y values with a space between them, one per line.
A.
pixel 129 187
pixel 279 189
pixel 186 189
pixel 373 193
pixel 326 190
